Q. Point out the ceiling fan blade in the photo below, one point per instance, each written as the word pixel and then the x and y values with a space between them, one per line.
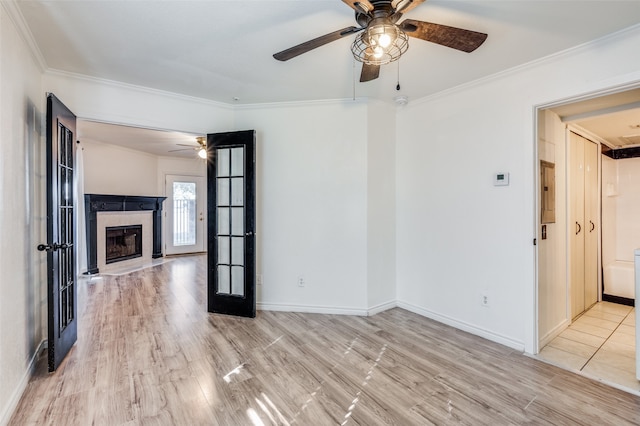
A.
pixel 455 38
pixel 362 6
pixel 403 6
pixel 369 72
pixel 294 51
pixel 189 145
pixel 182 149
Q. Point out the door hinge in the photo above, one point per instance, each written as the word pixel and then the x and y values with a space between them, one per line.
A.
pixel 535 241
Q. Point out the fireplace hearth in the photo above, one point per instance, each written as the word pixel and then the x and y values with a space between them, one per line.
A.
pixel 123 242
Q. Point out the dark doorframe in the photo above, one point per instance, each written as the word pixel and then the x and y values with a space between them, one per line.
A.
pixel 231 223
pixel 61 235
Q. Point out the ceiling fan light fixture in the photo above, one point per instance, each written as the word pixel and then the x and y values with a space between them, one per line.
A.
pixel 381 43
pixel 202 153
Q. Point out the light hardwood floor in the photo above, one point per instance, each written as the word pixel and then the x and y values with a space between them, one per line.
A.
pixel 148 353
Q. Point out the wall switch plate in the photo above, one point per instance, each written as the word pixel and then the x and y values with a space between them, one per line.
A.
pixel 501 179
pixel 259 279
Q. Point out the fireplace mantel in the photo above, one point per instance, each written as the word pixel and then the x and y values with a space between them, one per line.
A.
pixel 96 203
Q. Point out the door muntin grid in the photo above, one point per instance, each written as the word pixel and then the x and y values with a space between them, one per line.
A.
pixel 66 223
pixel 230 223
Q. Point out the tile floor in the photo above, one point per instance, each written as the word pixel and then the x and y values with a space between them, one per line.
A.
pixel 600 344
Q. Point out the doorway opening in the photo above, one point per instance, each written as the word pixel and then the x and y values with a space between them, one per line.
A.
pixel 588 233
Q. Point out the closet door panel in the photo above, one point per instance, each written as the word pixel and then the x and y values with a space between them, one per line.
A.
pixel 576 224
pixel 591 229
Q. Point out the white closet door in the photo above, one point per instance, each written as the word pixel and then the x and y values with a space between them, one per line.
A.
pixel 576 224
pixel 591 226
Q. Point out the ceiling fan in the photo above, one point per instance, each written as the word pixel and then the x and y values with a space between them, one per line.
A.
pixel 201 148
pixel 383 40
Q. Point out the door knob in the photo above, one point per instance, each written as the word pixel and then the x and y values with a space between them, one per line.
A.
pixel 52 247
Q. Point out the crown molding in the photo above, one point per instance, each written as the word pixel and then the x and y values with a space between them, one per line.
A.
pixel 309 103
pixel 134 87
pixel 16 17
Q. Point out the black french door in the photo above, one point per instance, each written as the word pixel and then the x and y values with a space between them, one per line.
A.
pixel 231 223
pixel 61 238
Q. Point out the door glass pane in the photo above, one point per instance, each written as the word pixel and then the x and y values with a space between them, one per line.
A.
pixel 237 161
pixel 224 280
pixel 237 191
pixel 237 221
pixel 62 147
pixel 222 160
pixel 237 251
pixel 69 156
pixel 70 225
pixel 223 191
pixel 63 186
pixel 62 230
pixel 223 221
pixel 184 213
pixel 223 250
pixel 237 280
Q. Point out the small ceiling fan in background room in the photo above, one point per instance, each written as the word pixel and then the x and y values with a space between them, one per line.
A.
pixel 201 149
pixel 382 40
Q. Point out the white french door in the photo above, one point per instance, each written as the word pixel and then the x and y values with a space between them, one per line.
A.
pixel 185 206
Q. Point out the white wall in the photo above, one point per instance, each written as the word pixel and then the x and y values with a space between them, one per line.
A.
pixel 553 313
pixel 627 209
pixel 381 179
pixel 178 166
pixel 609 210
pixel 458 236
pixel 22 279
pixel 311 183
pixel 120 103
pixel 112 169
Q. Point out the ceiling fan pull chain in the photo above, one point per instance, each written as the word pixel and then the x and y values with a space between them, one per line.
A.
pixel 398 85
pixel 353 79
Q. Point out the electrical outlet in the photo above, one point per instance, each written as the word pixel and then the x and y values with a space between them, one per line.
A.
pixel 301 282
pixel 259 279
pixel 484 300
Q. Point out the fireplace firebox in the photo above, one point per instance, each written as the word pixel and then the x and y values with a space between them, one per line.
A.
pixel 123 242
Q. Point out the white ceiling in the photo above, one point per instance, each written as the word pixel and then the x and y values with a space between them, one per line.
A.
pixel 222 50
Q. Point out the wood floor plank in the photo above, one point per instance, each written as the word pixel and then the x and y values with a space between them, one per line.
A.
pixel 149 354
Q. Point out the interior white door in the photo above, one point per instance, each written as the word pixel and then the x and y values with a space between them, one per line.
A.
pixel 584 222
pixel 185 206
pixel 591 223
pixel 576 224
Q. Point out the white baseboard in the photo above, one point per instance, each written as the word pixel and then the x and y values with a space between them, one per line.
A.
pixel 8 410
pixel 382 307
pixel 555 331
pixel 461 325
pixel 329 310
pixel 311 309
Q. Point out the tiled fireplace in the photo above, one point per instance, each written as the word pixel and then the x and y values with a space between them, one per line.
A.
pixel 122 228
